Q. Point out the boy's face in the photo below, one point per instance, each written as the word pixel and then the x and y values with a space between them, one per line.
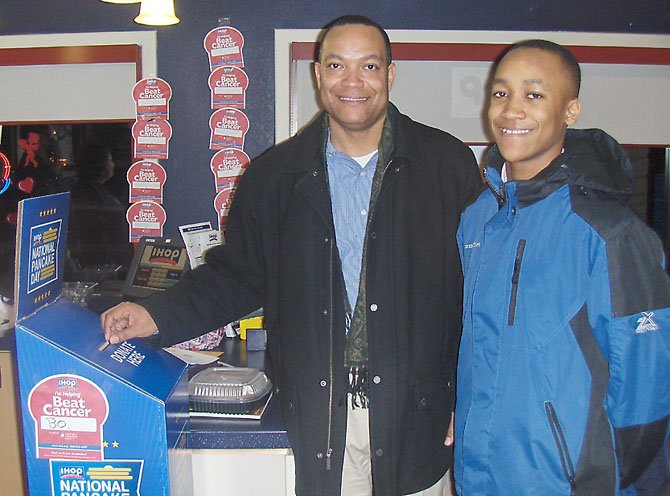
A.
pixel 532 103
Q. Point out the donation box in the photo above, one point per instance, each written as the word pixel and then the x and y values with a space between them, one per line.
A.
pixel 98 419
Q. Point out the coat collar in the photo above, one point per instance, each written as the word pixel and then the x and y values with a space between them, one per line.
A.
pixel 590 159
pixel 308 147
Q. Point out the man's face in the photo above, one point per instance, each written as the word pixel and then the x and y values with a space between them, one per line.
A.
pixel 354 77
pixel 531 105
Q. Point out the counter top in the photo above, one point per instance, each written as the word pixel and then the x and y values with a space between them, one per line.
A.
pixel 215 433
pixel 218 433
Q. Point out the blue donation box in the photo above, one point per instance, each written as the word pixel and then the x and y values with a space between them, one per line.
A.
pixel 98 420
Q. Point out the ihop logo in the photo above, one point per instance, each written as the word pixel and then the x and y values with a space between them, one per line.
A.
pixel 71 472
pixel 69 383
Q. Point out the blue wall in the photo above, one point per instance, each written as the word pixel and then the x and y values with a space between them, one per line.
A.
pixel 182 61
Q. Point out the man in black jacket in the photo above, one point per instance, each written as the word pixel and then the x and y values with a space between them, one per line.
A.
pixel 345 235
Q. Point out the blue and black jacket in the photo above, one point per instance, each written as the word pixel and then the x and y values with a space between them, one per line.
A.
pixel 564 364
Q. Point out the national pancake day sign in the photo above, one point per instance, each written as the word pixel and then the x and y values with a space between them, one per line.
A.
pixel 42 238
pixel 44 247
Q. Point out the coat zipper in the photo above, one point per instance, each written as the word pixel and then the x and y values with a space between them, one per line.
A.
pixel 518 259
pixel 386 167
pixel 498 193
pixel 561 444
pixel 329 450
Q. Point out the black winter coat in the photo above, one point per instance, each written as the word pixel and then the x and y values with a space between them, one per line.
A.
pixel 280 254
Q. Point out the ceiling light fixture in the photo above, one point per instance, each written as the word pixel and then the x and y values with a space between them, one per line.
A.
pixel 157 13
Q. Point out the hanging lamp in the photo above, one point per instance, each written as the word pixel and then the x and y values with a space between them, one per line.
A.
pixel 157 13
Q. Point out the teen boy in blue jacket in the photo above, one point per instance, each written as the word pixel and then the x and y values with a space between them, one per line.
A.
pixel 564 365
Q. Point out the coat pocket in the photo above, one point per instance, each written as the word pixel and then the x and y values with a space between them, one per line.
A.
pixel 433 403
pixel 561 445
pixel 290 413
pixel 518 260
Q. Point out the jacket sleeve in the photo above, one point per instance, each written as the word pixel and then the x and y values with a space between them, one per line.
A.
pixel 629 310
pixel 228 286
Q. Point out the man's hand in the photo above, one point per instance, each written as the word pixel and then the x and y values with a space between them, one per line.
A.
pixel 450 432
pixel 126 321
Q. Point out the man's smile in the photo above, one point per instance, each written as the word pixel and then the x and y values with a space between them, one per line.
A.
pixel 353 99
pixel 514 132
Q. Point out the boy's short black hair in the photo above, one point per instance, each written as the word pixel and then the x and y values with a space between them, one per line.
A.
pixel 570 64
pixel 355 19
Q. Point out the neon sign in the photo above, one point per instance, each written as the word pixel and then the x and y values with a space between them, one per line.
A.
pixel 5 169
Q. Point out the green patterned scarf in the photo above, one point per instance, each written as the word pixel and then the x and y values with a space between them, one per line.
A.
pixel 356 352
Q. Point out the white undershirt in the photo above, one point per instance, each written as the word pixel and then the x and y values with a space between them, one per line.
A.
pixel 364 159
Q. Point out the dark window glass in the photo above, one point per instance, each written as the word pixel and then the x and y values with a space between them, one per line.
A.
pixel 88 160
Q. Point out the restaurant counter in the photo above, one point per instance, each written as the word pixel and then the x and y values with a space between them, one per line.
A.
pixel 233 457
pixel 245 457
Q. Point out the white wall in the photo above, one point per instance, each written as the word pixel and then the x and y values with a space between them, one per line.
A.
pixel 73 92
pixel 627 100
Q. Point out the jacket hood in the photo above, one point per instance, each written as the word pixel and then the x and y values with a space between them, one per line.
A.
pixel 591 158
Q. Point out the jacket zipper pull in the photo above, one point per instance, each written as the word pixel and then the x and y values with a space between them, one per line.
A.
pixel 498 193
pixel 518 259
pixel 328 461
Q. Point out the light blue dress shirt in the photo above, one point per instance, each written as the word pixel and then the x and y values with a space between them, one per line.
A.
pixel 350 189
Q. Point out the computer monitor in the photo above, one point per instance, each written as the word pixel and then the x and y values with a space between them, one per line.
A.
pixel 158 264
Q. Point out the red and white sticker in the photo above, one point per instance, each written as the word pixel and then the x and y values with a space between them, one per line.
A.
pixel 228 165
pixel 69 412
pixel 151 139
pixel 228 85
pixel 145 218
pixel 228 128
pixel 152 99
pixel 222 202
pixel 224 47
pixel 146 179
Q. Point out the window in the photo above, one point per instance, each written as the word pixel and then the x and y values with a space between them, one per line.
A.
pixel 88 160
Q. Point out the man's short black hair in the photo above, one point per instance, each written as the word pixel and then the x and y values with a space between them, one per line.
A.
pixel 355 19
pixel 570 64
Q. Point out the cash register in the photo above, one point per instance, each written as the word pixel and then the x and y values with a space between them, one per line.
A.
pixel 157 264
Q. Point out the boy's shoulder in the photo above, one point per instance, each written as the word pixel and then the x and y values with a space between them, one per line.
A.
pixel 606 214
pixel 634 252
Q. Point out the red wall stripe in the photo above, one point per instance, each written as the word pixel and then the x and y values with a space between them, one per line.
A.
pixel 95 54
pixel 486 52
